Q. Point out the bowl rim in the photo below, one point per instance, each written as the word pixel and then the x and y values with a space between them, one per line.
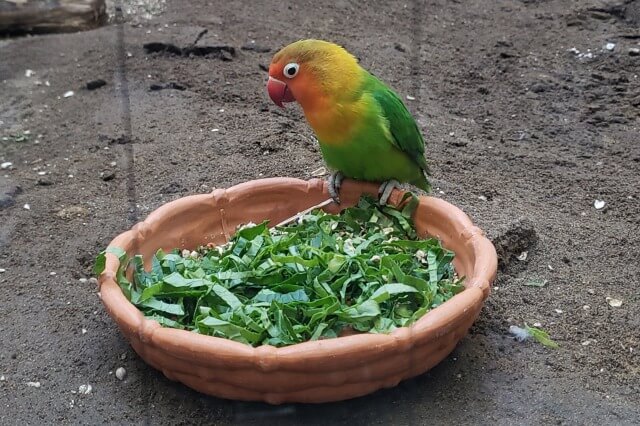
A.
pixel 434 323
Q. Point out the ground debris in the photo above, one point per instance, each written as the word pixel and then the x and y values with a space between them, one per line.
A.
pixel 222 52
pixel 95 84
pixel 514 239
pixel 7 195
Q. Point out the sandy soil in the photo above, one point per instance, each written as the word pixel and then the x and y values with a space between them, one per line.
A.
pixel 528 117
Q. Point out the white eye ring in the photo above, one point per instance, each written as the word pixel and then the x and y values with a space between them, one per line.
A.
pixel 291 70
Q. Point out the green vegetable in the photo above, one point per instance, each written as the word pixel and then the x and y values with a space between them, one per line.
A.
pixel 541 337
pixel 363 269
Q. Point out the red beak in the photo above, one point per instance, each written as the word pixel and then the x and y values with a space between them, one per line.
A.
pixel 279 92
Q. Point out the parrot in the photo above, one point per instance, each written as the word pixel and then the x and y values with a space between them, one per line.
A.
pixel 364 130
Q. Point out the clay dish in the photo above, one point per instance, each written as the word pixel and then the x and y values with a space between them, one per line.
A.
pixel 318 371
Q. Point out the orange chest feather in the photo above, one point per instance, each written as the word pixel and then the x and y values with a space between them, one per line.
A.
pixel 334 123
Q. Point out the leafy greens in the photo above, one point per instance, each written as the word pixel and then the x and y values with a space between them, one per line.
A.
pixel 362 270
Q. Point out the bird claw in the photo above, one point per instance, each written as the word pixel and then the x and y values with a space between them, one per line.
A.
pixel 384 192
pixel 335 182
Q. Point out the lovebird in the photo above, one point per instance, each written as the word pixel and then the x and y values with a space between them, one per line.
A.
pixel 364 129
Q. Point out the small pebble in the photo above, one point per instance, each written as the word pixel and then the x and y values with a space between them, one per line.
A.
pixel 52 273
pixel 586 307
pixel 616 303
pixel 598 204
pixel 29 73
pixel 26 207
pixel 121 373
pixel 586 343
pixel 410 98
pixel 33 384
pixel 634 51
pixel 85 389
pixel 68 94
pixel 523 256
pixel 2 270
pixel 558 311
pixel 6 165
pixel 610 46
pixel 82 280
pixel 2 378
pixel 591 291
pixel 95 84
pixel 84 331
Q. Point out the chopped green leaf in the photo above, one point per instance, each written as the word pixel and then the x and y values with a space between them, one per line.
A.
pixel 363 269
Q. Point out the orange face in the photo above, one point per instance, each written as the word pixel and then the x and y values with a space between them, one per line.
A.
pixel 293 80
pixel 281 85
pixel 315 73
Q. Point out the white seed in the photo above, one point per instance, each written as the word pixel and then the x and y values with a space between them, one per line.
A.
pixel 68 94
pixel 121 373
pixel 598 204
pixel 319 172
pixel 6 165
pixel 410 98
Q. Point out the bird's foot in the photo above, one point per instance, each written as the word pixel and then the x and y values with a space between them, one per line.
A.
pixel 335 182
pixel 385 190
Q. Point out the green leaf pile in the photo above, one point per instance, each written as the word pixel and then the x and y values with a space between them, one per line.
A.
pixel 362 270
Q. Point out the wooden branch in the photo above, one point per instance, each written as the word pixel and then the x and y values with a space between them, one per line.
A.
pixel 37 16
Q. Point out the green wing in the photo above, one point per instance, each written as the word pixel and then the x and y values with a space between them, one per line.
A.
pixel 403 128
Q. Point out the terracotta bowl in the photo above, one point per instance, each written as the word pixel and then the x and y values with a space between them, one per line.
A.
pixel 318 371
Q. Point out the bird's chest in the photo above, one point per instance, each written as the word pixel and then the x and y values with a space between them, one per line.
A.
pixel 333 127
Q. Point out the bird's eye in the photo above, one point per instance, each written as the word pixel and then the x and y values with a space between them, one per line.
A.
pixel 291 70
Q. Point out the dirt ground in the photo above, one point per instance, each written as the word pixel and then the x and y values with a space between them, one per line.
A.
pixel 529 119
